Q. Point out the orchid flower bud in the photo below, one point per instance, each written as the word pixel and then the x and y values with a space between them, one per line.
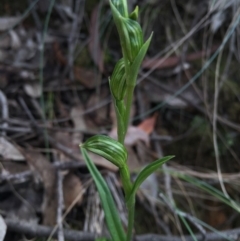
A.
pixel 118 81
pixel 129 31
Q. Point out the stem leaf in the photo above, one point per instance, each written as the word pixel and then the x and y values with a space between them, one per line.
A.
pixel 134 68
pixel 111 214
pixel 147 171
pixel 108 148
pixel 117 81
pixel 121 6
pixel 134 15
pixel 130 33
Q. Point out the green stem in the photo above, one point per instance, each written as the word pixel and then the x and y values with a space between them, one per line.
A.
pixel 131 212
pixel 125 8
pixel 120 110
pixel 126 181
pixel 129 99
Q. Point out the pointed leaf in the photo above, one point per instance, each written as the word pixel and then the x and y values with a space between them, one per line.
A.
pixel 121 30
pixel 120 112
pixel 134 37
pixel 147 171
pixel 134 15
pixel 111 214
pixel 108 148
pixel 137 62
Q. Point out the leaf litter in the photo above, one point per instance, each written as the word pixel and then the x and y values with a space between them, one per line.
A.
pixel 71 110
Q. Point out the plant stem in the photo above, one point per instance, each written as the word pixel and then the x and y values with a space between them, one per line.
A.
pixel 126 181
pixel 120 110
pixel 130 90
pixel 131 212
pixel 125 4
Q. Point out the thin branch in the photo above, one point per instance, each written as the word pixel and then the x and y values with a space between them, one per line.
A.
pixel 72 235
pixel 44 231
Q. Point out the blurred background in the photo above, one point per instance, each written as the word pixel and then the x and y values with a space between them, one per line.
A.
pixel 55 60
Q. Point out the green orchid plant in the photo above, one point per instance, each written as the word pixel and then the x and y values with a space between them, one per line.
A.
pixel 122 84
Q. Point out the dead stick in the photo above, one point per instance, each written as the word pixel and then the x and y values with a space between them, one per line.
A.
pixel 44 231
pixel 72 235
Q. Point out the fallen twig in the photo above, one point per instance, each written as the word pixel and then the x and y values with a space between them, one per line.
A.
pixel 72 235
pixel 44 231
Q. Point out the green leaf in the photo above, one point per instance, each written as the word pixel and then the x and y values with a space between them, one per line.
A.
pixel 126 180
pixel 134 68
pixel 117 81
pixel 147 171
pixel 121 6
pixel 134 37
pixel 208 188
pixel 108 148
pixel 130 33
pixel 120 110
pixel 111 214
pixel 134 15
pixel 119 24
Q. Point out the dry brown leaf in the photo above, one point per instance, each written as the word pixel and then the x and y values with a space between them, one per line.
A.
pixel 100 161
pixel 77 117
pixel 72 186
pixel 9 151
pixel 64 138
pixel 170 62
pixel 148 124
pixel 14 167
pixel 79 123
pixel 133 162
pixel 49 177
pixel 215 216
pixel 94 45
pixel 156 94
pixel 99 116
pixel 134 134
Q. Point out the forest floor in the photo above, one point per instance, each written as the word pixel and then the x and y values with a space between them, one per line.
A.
pixel 55 60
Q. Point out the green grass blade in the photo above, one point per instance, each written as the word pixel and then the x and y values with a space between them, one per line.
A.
pixel 188 228
pixel 111 214
pixel 208 188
